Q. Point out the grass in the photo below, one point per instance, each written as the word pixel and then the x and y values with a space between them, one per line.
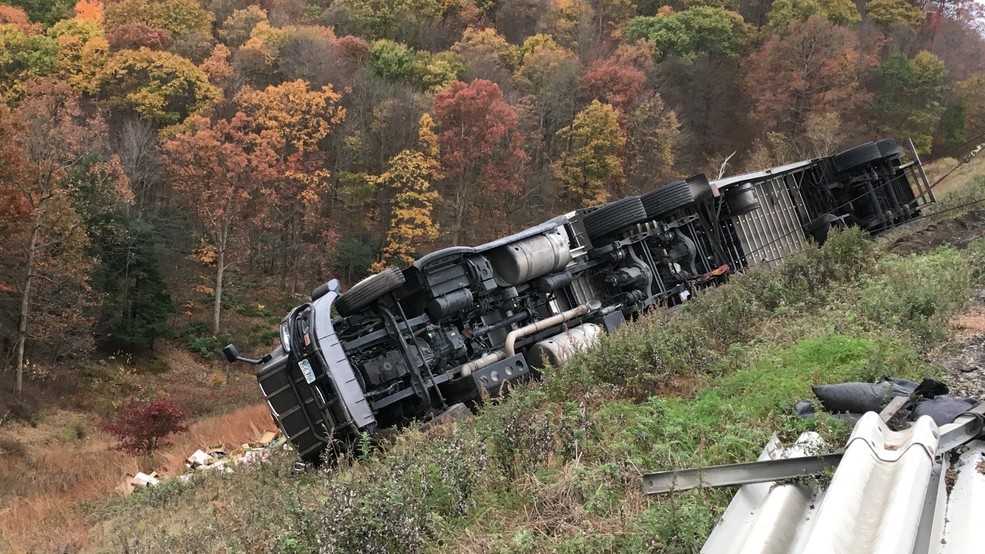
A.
pixel 556 467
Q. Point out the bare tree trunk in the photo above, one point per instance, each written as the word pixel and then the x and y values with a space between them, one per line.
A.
pixel 25 308
pixel 218 288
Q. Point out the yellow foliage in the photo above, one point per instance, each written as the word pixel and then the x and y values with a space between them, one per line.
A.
pixel 206 255
pixel 410 174
pixel 296 114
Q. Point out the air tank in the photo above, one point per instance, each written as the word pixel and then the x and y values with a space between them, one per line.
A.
pixel 742 199
pixel 560 347
pixel 530 258
pixel 447 304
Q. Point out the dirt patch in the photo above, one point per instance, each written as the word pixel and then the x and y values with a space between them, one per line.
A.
pixel 963 355
pixel 958 231
pixel 971 322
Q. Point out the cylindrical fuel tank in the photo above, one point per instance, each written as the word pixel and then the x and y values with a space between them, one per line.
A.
pixel 560 347
pixel 530 258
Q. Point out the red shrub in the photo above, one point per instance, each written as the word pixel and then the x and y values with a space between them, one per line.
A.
pixel 142 426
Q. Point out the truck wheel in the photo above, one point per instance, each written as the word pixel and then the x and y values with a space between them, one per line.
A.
pixel 614 216
pixel 854 157
pixel 369 289
pixel 888 148
pixel 674 195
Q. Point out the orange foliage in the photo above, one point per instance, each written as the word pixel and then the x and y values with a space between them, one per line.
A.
pixel 90 10
pixel 297 115
pixel 18 18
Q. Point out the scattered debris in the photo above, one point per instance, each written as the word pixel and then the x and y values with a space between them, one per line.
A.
pixel 141 479
pixel 214 458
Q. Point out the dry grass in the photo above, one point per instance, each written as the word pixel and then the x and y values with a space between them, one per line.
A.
pixel 44 484
pixel 957 180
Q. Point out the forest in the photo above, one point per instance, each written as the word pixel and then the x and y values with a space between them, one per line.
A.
pixel 167 163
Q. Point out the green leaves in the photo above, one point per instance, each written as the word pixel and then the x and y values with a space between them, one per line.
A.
pixel 910 97
pixel 396 62
pixel 23 56
pixel 691 32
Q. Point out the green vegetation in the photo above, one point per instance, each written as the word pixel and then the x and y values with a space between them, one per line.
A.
pixel 557 466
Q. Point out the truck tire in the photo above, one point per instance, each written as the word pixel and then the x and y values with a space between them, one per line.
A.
pixel 614 216
pixel 672 196
pixel 369 289
pixel 888 148
pixel 854 157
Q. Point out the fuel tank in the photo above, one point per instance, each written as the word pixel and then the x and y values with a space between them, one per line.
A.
pixel 530 258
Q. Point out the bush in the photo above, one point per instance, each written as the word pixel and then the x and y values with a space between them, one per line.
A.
pixel 142 427
pixel 200 340
pixel 918 294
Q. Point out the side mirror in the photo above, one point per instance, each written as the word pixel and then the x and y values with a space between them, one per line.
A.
pixel 231 353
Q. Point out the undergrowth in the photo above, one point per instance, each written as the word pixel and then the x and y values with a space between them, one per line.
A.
pixel 557 466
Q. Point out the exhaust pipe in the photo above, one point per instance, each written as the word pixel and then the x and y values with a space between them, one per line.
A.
pixel 510 349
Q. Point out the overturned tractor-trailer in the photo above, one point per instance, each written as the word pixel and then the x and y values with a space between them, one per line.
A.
pixel 407 344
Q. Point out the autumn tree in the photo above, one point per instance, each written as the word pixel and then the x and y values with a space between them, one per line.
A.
pixel 236 30
pixel 50 141
pixel 143 427
pixel 569 22
pixel 617 80
pixel 417 23
pixel 839 12
pixel 82 52
pixel 548 74
pixel 653 134
pixel 90 10
pixel 481 151
pixel 972 93
pixel 890 13
pixel 910 99
pixel 297 115
pixel 134 36
pixel 17 17
pixel 218 68
pixel 293 119
pixel 158 86
pixel 177 17
pixel 188 25
pixel 46 12
pixel 216 170
pixel 590 169
pixel 411 175
pixel 811 67
pixel 486 55
pixel 610 15
pixel 23 57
